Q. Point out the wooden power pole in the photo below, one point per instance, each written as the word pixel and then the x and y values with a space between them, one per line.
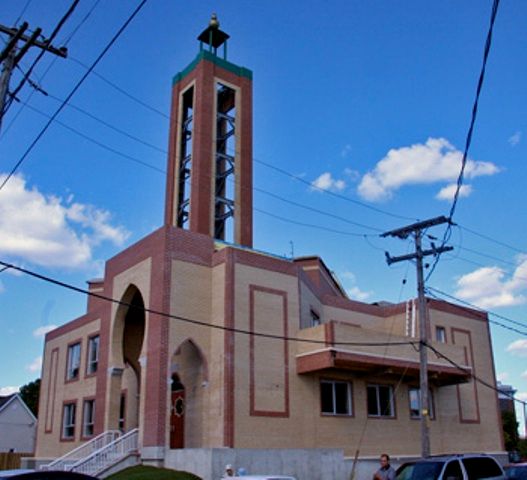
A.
pixel 11 55
pixel 416 229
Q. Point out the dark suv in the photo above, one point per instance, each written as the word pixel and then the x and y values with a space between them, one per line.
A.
pixel 451 467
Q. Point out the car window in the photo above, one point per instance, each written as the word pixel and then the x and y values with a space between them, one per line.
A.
pixel 453 471
pixel 518 473
pixel 419 471
pixel 481 467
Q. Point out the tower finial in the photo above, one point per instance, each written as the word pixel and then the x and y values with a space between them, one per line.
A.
pixel 214 22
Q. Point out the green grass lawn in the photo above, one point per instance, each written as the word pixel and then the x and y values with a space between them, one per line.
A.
pixel 142 472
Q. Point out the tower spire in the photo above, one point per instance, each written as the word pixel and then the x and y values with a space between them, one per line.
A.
pixel 209 179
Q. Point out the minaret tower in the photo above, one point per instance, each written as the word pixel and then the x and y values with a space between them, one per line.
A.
pixel 209 179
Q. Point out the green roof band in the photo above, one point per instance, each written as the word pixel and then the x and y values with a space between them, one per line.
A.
pixel 204 55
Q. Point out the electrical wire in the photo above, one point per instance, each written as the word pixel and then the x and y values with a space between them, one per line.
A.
pixel 121 90
pixel 193 321
pixel 70 95
pixel 468 139
pixel 488 312
pixel 50 66
pixel 55 32
pixel 490 239
pixel 471 374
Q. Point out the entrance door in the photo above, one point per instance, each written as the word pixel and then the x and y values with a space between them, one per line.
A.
pixel 177 418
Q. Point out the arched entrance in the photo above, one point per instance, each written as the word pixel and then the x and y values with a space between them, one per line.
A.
pixel 177 413
pixel 188 393
pixel 127 339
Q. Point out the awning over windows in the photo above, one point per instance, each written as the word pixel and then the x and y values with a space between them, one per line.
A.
pixel 374 364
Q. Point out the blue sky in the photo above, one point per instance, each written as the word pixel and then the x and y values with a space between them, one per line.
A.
pixel 369 100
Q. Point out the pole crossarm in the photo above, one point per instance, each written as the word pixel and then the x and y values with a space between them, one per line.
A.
pixel 404 232
pixel 43 44
pixel 413 256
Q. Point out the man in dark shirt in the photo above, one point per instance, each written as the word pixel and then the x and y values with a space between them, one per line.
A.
pixel 386 472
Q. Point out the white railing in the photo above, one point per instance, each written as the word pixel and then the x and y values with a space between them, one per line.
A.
pixel 108 455
pixel 81 452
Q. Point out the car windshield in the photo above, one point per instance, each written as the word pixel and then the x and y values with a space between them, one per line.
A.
pixel 419 471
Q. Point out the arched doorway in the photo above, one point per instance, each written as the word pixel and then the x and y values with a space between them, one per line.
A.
pixel 127 339
pixel 188 395
pixel 177 413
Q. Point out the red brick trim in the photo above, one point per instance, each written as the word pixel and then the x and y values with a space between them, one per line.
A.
pixel 64 403
pixel 331 358
pixel 84 400
pixel 498 412
pixel 52 390
pixel 252 392
pixel 228 354
pixel 469 360
pixel 71 326
pixel 70 344
pixel 454 309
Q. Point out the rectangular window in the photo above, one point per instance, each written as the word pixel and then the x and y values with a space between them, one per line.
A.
pixel 93 355
pixel 440 334
pixel 88 418
pixel 122 412
pixel 414 397
pixel 68 421
pixel 380 401
pixel 335 397
pixel 74 361
pixel 314 318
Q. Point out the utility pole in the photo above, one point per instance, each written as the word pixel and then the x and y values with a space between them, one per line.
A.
pixel 11 55
pixel 417 230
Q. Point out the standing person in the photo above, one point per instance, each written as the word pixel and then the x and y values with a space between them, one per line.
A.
pixel 229 471
pixel 386 472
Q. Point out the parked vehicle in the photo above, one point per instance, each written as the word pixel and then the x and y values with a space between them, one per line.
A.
pixel 452 467
pixel 516 471
pixel 263 477
pixel 43 475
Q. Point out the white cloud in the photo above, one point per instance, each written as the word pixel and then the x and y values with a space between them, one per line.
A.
pixel 488 287
pixel 327 182
pixel 522 396
pixel 502 377
pixel 354 291
pixel 519 348
pixel 41 331
pixel 524 374
pixel 448 192
pixel 4 391
pixel 357 294
pixel 48 231
pixel 515 139
pixel 35 365
pixel 436 161
pixel 353 175
pixel 346 150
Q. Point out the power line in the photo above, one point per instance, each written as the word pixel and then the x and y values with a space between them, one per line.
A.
pixel 471 305
pixel 329 192
pixel 468 140
pixel 70 95
pixel 50 66
pixel 471 374
pixel 192 321
pixel 490 239
pixel 121 90
pixel 55 32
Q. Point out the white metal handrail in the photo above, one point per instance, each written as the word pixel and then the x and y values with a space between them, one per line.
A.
pixel 108 455
pixel 82 451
